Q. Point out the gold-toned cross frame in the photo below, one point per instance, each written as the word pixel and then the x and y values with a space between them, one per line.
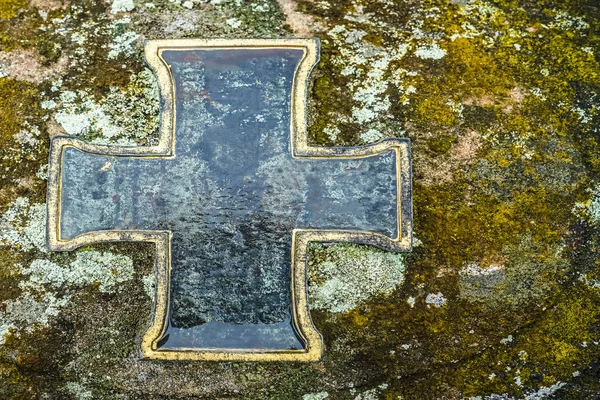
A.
pixel 300 237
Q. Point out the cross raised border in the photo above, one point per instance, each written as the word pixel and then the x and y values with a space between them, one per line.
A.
pixel 300 237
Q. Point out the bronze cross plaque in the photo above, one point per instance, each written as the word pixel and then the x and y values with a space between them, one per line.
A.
pixel 231 195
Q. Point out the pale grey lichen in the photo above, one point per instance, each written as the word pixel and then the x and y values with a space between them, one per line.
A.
pixel 332 132
pixel 149 282
pixel 315 396
pixel 28 135
pixel 350 275
pixel 5 328
pixel 476 270
pixel 122 45
pixel 372 394
pixel 260 7
pixel 135 109
pixel 590 282
pixel 23 225
pixel 433 52
pixel 106 270
pixel 42 172
pixel 43 290
pixel 34 309
pixel 564 21
pixel 435 299
pixel 121 6
pixel 370 136
pixel 368 67
pixel 79 391
pixel 592 207
pixel 30 311
pixel 507 339
pixel 234 23
pixel 80 115
pixel 125 116
pixel 48 104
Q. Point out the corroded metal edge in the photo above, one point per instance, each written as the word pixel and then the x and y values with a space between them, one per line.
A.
pixel 162 239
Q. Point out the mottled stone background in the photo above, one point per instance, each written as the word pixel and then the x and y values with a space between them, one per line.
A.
pixel 500 298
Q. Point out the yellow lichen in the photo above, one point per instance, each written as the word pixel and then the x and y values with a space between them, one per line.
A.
pixel 9 8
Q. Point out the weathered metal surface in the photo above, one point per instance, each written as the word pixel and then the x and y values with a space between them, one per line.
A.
pixel 231 195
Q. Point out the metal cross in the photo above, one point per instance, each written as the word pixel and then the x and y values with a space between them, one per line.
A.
pixel 231 195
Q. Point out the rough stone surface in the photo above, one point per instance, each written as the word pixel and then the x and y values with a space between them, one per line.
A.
pixel 499 300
